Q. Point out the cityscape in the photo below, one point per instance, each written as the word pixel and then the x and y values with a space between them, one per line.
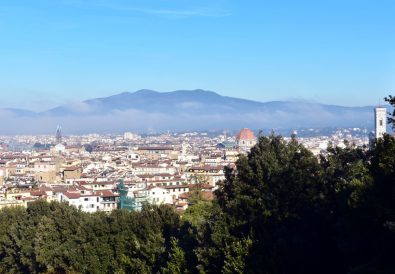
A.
pixel 197 137
pixel 87 171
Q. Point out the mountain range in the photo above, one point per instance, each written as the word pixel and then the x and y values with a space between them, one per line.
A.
pixel 182 110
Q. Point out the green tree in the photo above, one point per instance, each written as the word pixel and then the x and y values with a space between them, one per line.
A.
pixel 275 196
pixel 198 213
pixel 47 247
pixel 176 263
pixel 235 256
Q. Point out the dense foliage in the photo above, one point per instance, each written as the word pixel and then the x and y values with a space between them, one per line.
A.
pixel 56 238
pixel 281 210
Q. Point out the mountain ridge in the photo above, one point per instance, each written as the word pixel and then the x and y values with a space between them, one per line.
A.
pixel 147 110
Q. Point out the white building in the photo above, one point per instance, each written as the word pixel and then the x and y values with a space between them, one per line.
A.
pixel 58 149
pixel 129 136
pixel 380 114
pixel 90 201
pixel 159 195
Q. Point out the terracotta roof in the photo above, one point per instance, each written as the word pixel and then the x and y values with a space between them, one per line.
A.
pixel 245 134
pixel 45 188
pixel 184 196
pixel 202 186
pixel 72 195
pixel 205 195
pixel 181 204
pixel 207 168
pixel 145 176
pixel 38 193
pixel 171 187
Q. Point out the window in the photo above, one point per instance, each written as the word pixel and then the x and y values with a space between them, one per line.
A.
pixel 381 123
pixel 86 199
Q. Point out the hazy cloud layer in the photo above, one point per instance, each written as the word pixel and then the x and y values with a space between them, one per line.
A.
pixel 149 111
pixel 140 121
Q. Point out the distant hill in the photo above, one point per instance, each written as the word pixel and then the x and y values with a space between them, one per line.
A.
pixel 147 110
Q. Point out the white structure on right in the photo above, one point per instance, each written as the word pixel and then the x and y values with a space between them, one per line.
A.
pixel 380 121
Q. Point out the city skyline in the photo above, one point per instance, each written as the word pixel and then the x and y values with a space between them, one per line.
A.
pixel 334 53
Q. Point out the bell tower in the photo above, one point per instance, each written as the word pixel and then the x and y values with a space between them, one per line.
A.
pixel 380 122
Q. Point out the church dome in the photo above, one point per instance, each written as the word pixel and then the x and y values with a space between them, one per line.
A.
pixel 245 134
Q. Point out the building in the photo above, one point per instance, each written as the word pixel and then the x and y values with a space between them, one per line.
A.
pixel 129 136
pixel 71 173
pixel 157 152
pixel 380 120
pixel 245 139
pixel 90 201
pixel 58 149
pixel 159 196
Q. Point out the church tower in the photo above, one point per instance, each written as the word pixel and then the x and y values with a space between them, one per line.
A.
pixel 380 122
pixel 59 135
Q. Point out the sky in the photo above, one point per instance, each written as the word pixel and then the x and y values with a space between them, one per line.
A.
pixel 60 51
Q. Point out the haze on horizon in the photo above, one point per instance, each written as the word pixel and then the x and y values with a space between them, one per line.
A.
pixel 333 52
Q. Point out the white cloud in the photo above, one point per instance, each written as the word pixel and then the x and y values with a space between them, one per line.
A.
pixel 79 107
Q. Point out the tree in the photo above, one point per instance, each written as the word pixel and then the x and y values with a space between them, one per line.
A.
pixel 235 256
pixel 47 247
pixel 275 197
pixel 176 263
pixel 196 214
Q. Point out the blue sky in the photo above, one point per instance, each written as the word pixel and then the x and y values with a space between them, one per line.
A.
pixel 57 51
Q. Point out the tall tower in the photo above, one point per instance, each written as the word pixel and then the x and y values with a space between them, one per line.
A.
pixel 59 135
pixel 380 121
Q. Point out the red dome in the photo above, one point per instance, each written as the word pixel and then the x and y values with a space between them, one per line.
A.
pixel 245 134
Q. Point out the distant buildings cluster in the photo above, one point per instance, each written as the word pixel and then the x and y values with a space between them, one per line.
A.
pixel 106 172
pixel 165 169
